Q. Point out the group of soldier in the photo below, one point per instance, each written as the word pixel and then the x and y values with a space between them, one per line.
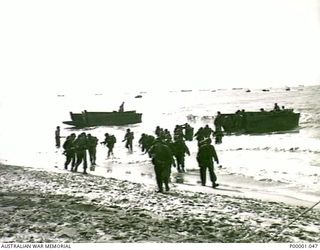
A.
pixel 75 150
pixel 164 150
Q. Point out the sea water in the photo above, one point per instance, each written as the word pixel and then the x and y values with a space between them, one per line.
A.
pixel 285 164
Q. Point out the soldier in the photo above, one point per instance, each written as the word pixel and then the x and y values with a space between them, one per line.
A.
pixel 69 150
pixel 178 132
pixel 121 108
pixel 218 134
pixel 109 141
pixel 276 107
pixel 167 136
pixel 129 136
pixel 142 141
pixel 218 121
pixel 207 131
pixel 199 135
pixel 188 134
pixel 205 156
pixel 179 150
pixel 149 142
pixel 158 131
pixel 57 137
pixel 162 160
pixel 92 142
pixel 81 152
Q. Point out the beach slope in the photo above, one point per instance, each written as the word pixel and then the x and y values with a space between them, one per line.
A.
pixel 41 206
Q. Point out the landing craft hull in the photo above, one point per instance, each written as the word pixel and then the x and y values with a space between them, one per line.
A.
pixel 89 119
pixel 260 122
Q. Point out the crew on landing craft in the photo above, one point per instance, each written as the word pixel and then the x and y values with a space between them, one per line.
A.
pixel 276 107
pixel 121 108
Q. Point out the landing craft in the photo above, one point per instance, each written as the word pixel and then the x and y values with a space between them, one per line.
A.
pixel 258 122
pixel 90 119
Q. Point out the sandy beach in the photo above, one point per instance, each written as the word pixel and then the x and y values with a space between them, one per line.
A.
pixel 40 206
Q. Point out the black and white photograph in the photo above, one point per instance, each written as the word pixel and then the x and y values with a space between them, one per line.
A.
pixel 147 121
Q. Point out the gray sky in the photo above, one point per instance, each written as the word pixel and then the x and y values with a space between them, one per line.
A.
pixel 60 45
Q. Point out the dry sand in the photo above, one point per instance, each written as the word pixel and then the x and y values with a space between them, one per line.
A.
pixel 40 206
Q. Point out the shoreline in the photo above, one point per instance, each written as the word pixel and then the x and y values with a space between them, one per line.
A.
pixel 42 206
pixel 230 184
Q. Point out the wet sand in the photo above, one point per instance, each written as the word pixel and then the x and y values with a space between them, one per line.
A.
pixel 42 206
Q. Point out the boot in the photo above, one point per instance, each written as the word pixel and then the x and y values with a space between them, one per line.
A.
pixel 214 185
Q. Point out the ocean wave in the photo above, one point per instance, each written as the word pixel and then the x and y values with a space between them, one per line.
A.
pixel 292 149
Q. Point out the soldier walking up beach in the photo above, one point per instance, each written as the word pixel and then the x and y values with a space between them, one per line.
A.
pixel 178 132
pixel 199 135
pixel 162 159
pixel 207 131
pixel 69 150
pixel 188 133
pixel 92 143
pixel 81 152
pixel 180 149
pixel 205 156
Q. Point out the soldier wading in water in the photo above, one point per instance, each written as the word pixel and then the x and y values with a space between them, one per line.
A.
pixel 109 141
